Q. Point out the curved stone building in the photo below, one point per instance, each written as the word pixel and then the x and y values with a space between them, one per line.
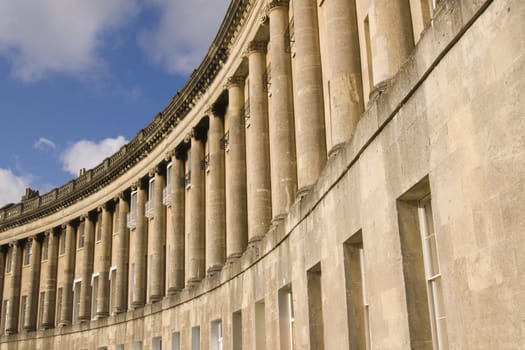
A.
pixel 336 174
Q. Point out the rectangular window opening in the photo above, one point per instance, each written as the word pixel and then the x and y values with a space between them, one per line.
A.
pixel 286 319
pixel 156 343
pixel 357 298
pixel 216 335
pixel 175 341
pixel 260 326
pixel 315 307
pixel 195 338
pixel 237 330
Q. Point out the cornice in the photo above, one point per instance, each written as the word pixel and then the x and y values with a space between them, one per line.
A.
pixel 93 180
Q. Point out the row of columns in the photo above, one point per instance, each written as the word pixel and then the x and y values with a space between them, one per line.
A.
pixel 213 221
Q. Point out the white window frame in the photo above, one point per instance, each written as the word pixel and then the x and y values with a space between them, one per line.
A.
pixel 132 215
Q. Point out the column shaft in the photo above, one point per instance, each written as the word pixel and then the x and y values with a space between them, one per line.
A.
pixel 177 239
pixel 259 196
pixel 50 286
pixel 391 37
pixel 86 269
pixel 34 282
pixel 281 121
pixel 15 284
pixel 69 274
pixel 196 245
pixel 345 82
pixel 2 276
pixel 158 242
pixel 215 198
pixel 122 251
pixel 104 258
pixel 309 105
pixel 236 211
pixel 140 249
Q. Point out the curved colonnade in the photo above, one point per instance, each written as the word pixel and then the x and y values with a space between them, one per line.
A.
pixel 233 218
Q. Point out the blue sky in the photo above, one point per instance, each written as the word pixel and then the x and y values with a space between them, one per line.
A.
pixel 79 78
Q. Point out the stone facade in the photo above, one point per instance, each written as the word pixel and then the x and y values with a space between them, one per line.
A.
pixel 336 174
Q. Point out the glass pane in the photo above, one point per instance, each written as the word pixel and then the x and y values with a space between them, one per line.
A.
pixel 429 218
pixel 432 255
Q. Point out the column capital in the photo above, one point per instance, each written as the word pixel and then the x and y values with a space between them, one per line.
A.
pixel 273 4
pixel 169 155
pixel 15 243
pixel 121 196
pixel 154 171
pixel 256 46
pixel 234 81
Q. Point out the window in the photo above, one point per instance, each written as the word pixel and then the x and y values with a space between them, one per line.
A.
pixel 99 227
pixel 63 242
pixel 260 326
pixel 29 252
pixel 81 235
pixel 23 310
pixel 357 298
pixel 175 341
pixel 119 347
pixel 151 199
pixel 166 193
pixel 59 305
pixel 137 345
pixel 421 268
pixel 195 338
pixel 45 249
pixel 112 276
pixel 315 307
pixel 116 219
pixel 237 330
pixel 94 295
pixel 156 343
pixel 76 299
pixel 9 266
pixel 6 315
pixel 132 216
pixel 432 274
pixel 41 308
pixel 131 283
pixel 286 319
pixel 216 335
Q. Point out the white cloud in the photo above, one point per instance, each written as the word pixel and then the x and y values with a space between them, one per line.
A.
pixel 44 143
pixel 48 36
pixel 12 187
pixel 87 154
pixel 183 33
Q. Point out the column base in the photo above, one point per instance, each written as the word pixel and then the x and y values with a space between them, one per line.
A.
pixel 102 315
pixel 233 257
pixel 255 239
pixel 377 91
pixel 303 191
pixel 174 290
pixel 334 151
pixel 214 269
pixel 193 281
pixel 137 305
pixel 278 218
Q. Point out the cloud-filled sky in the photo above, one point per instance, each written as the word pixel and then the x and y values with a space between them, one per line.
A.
pixel 79 78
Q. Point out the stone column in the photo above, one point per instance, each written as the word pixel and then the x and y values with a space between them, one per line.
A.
pixel 196 245
pixel 104 257
pixel 122 251
pixel 158 238
pixel 15 284
pixel 391 38
pixel 50 286
pixel 259 199
pixel 178 195
pixel 69 274
pixel 281 122
pixel 140 249
pixel 86 267
pixel 34 282
pixel 344 74
pixel 236 211
pixel 309 104
pixel 215 198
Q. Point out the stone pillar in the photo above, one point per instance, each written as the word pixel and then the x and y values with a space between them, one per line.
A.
pixel 391 38
pixel 281 121
pixel 34 282
pixel 104 257
pixel 344 74
pixel 140 250
pixel 122 258
pixel 178 195
pixel 50 286
pixel 236 211
pixel 15 284
pixel 158 238
pixel 309 104
pixel 86 267
pixel 196 245
pixel 215 198
pixel 259 194
pixel 69 274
